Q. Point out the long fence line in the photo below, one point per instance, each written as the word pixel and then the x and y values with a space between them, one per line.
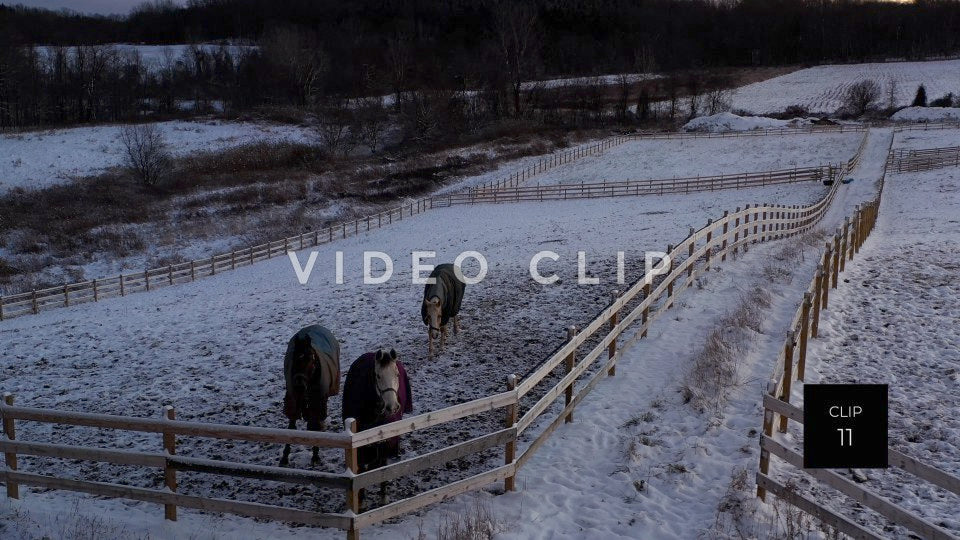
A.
pixel 690 259
pixel 122 284
pixel 790 366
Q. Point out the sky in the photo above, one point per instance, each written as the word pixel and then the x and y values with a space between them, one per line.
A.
pixel 103 7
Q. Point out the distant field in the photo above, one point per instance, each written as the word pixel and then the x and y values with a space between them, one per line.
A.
pixel 821 89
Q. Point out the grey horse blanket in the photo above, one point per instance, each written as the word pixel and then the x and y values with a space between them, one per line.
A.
pixel 325 381
pixel 448 289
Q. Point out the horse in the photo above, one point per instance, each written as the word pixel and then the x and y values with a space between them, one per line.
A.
pixel 376 392
pixel 441 302
pixel 311 369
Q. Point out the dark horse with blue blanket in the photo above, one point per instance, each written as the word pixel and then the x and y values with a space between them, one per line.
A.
pixel 377 392
pixel 441 302
pixel 311 370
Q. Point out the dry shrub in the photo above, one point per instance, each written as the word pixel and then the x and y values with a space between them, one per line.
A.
pixel 475 523
pixel 258 156
pixel 716 364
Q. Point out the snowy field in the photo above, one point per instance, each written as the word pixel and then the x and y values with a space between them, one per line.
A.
pixel 821 89
pixel 645 159
pixel 894 321
pixel 41 158
pixel 213 348
pixel 934 138
pixel 656 469
pixel 38 159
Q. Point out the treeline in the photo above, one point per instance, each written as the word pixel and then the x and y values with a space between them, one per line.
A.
pixel 465 58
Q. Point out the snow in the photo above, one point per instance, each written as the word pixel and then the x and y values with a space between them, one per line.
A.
pixel 821 89
pixel 927 114
pixel 42 158
pixel 636 462
pixel 725 122
pixel 893 321
pixel 645 159
pixel 919 139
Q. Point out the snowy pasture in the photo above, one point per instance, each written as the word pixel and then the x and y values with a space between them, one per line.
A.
pixel 934 138
pixel 41 158
pixel 644 159
pixel 213 348
pixel 894 321
pixel 821 89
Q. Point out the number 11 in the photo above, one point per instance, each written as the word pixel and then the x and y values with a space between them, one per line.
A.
pixel 848 440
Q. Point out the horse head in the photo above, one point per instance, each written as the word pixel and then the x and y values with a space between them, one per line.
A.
pixel 434 316
pixel 388 381
pixel 304 365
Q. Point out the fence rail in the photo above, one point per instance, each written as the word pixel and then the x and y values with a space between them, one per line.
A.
pixel 906 160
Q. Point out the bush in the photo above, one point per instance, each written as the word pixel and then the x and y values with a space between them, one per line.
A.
pixel 945 101
pixel 862 96
pixel 146 154
pixel 920 100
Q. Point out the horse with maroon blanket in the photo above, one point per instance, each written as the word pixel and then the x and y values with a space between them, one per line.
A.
pixel 377 392
pixel 311 370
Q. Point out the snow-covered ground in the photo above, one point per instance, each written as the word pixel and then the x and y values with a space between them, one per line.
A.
pixel 41 158
pixel 927 114
pixel 645 159
pixel 821 89
pixel 213 348
pixel 727 122
pixel 894 320
pixel 920 139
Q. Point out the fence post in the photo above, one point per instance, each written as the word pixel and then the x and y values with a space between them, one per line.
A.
pixel 854 237
pixel 213 265
pixel 836 258
pixel 825 280
pixel 723 252
pixel 121 285
pixel 815 322
pixel 146 279
pixel 66 296
pixel 96 292
pixel 690 254
pixel 193 269
pixel 233 257
pixel 170 274
pixel 804 332
pixel 843 243
pixel 510 449
pixel 670 283
pixel 736 232
pixel 709 237
pixel 768 431
pixel 858 226
pixel 568 364
pixel 746 228
pixel 33 302
pixel 169 473
pixel 1 307
pixel 787 375
pixel 614 319
pixel 13 489
pixel 646 310
pixel 353 467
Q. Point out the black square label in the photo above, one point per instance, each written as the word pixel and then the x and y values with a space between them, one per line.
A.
pixel 844 426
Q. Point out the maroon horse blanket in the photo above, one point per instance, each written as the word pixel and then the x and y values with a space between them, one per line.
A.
pixel 361 400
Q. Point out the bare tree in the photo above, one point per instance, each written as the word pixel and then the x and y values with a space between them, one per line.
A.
pixel 399 56
pixel 146 153
pixel 304 62
pixel 624 86
pixel 333 126
pixel 862 96
pixel 515 25
pixel 369 122
pixel 892 89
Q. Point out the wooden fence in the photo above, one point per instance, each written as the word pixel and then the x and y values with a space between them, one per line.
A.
pixel 791 366
pixel 68 294
pixel 636 309
pixel 906 160
pixel 632 188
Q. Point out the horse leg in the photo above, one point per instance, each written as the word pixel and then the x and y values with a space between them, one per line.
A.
pixel 316 425
pixel 456 324
pixel 383 493
pixel 429 344
pixel 285 460
pixel 443 336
